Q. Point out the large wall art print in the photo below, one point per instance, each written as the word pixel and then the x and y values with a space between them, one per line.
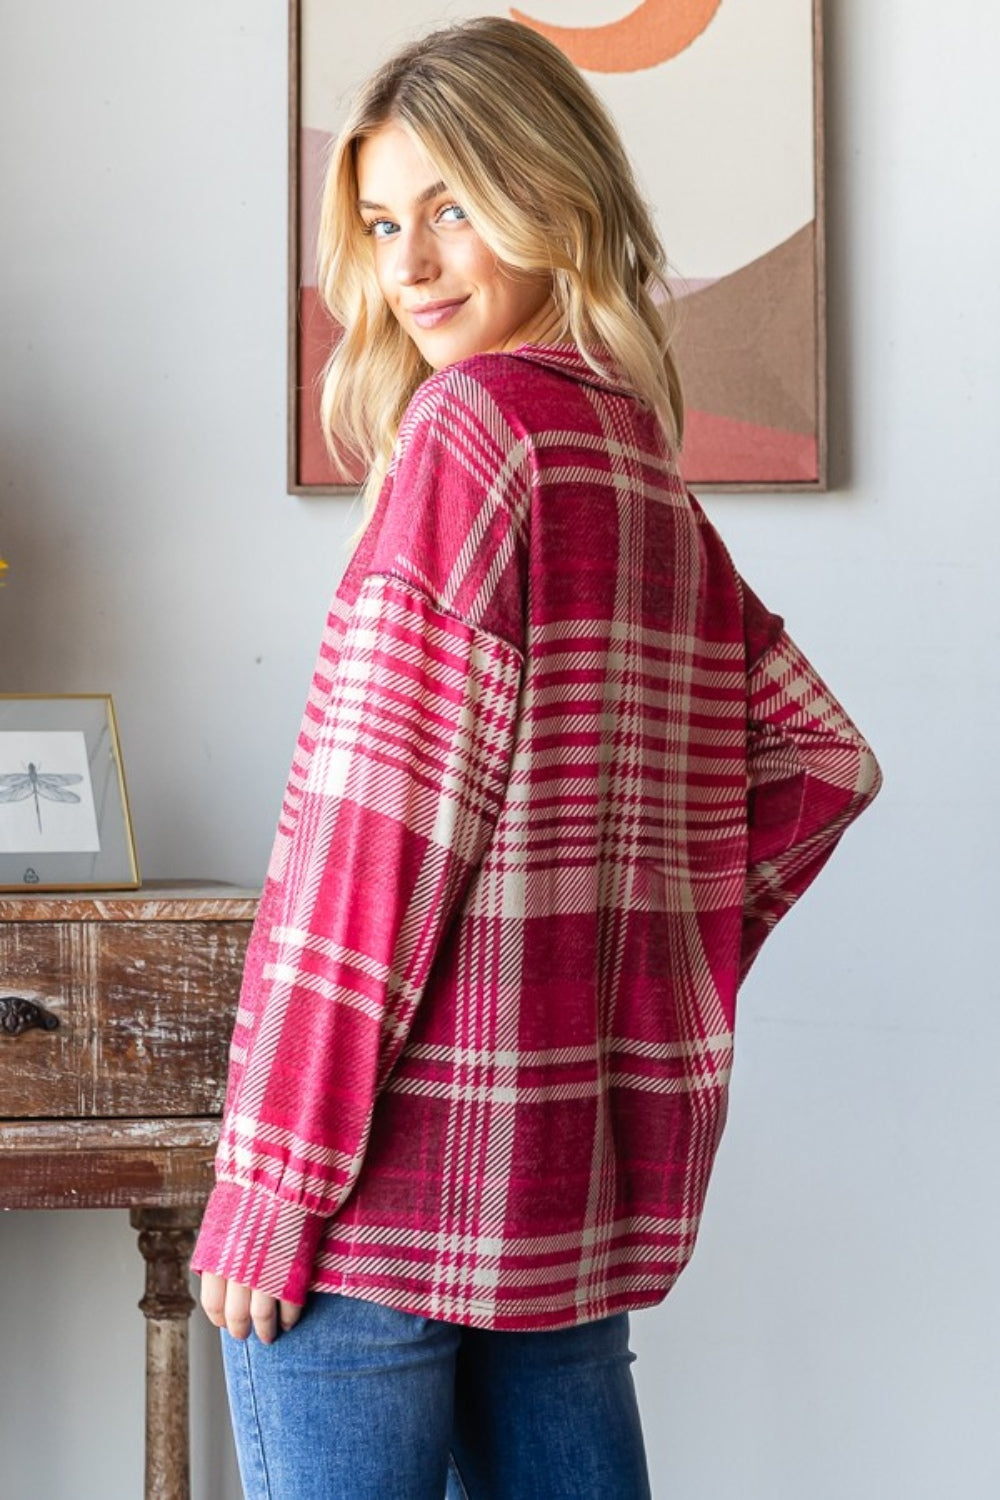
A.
pixel 720 105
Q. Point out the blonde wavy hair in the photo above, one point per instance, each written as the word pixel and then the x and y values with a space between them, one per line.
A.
pixel 539 168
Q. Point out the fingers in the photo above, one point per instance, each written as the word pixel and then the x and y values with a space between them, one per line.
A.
pixel 239 1309
pixel 238 1321
pixel 213 1298
pixel 290 1314
pixel 264 1316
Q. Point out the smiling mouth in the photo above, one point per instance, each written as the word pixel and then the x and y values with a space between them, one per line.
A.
pixel 431 314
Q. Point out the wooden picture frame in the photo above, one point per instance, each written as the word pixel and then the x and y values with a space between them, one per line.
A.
pixel 64 813
pixel 751 339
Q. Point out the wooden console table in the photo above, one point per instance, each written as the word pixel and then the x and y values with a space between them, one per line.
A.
pixel 115 1015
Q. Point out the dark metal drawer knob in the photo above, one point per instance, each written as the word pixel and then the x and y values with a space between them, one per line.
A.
pixel 18 1015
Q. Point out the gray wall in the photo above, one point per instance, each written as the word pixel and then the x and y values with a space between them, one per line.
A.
pixel 836 1335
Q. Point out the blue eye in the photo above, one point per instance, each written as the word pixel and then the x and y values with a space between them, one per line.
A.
pixel 381 228
pixel 455 211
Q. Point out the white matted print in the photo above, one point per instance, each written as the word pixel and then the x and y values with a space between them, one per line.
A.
pixel 64 818
pixel 46 799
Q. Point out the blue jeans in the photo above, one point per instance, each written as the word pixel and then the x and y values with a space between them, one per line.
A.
pixel 361 1402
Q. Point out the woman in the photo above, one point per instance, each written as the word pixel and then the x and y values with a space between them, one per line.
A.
pixel 560 774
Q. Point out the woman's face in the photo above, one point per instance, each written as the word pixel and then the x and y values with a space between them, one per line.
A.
pixel 445 287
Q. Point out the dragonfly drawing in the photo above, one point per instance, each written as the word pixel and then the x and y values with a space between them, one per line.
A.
pixel 15 786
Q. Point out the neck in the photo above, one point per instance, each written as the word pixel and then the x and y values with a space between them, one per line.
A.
pixel 544 328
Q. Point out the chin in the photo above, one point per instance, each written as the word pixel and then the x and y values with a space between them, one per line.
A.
pixel 440 359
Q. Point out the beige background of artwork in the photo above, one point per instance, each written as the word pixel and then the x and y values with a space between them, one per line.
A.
pixel 722 135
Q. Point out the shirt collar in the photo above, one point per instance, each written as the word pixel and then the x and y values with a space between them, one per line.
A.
pixel 568 359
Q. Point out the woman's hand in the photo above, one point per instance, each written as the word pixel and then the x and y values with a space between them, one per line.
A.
pixel 240 1308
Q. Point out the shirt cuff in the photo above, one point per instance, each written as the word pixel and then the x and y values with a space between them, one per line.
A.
pixel 252 1237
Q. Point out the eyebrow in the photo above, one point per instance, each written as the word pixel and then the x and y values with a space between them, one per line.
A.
pixel 434 191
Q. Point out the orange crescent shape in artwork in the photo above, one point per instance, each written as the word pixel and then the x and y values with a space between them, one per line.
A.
pixel 649 35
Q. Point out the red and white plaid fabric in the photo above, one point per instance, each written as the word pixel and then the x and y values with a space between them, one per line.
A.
pixel 560 773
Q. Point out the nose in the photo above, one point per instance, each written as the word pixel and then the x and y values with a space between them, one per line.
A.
pixel 416 259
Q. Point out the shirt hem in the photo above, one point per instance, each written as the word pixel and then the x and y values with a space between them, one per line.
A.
pixel 472 1312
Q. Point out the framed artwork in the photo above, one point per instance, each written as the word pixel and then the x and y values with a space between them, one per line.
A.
pixel 64 817
pixel 720 106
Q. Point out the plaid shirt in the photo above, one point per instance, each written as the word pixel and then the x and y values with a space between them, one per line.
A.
pixel 560 773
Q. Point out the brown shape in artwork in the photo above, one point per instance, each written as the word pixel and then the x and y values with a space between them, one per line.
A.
pixel 746 344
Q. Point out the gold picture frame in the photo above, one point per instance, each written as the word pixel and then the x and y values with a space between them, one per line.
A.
pixel 65 823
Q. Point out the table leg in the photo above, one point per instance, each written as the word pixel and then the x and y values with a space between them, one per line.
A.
pixel 166 1240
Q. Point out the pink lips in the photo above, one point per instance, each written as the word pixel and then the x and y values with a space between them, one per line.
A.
pixel 431 314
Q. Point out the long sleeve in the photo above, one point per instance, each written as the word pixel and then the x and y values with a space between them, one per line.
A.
pixel 404 784
pixel 399 775
pixel 810 774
